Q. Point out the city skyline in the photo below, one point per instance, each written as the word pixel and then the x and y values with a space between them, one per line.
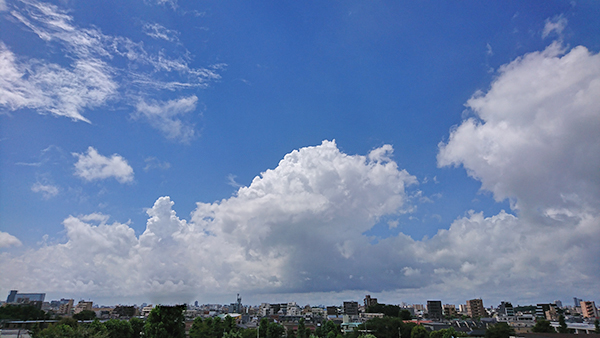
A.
pixel 170 152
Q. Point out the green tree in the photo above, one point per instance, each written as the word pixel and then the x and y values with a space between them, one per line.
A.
pixel 543 326
pixel 249 333
pixel 500 330
pixel 22 312
pixel 137 327
pixel 302 332
pixel 165 322
pixel 85 315
pixel 597 325
pixel 436 334
pixel 262 328
pixel 275 330
pixel 118 328
pixel 562 328
pixel 419 332
pixel 405 314
pixel 387 327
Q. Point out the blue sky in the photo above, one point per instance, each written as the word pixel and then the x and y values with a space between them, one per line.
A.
pixel 314 151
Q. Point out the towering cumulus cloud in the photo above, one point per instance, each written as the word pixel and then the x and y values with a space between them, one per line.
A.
pixel 296 228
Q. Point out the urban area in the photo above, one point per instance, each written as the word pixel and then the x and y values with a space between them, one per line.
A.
pixel 31 315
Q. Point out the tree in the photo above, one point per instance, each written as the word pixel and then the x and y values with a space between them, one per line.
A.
pixel 118 328
pixel 165 322
pixel 22 312
pixel 137 327
pixel 597 325
pixel 419 332
pixel 302 332
pixel 500 330
pixel 262 328
pixel 562 328
pixel 405 314
pixel 85 315
pixel 275 330
pixel 543 326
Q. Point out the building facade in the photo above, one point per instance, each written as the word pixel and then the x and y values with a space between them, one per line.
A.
pixel 475 308
pixel 434 309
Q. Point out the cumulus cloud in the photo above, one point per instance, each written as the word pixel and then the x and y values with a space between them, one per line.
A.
pixel 92 73
pixel 534 138
pixel 7 240
pixel 166 117
pixel 300 228
pixel 280 233
pixel 92 166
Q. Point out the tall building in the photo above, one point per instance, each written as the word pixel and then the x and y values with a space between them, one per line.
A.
pixel 506 309
pixel 66 305
pixel 434 309
pixel 11 296
pixel 547 311
pixel 370 301
pixel 351 308
pixel 558 303
pixel 577 301
pixel 588 309
pixel 475 308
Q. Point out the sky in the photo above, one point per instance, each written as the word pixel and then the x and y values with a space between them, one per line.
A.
pixel 164 151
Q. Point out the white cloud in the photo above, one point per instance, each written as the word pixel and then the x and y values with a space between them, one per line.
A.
pixel 534 140
pixel 158 31
pixel 535 137
pixel 51 88
pixel 93 166
pixel 300 228
pixel 316 204
pixel 154 163
pixel 95 74
pixel 47 190
pixel 7 240
pixel 3 5
pixel 557 24
pixel 165 116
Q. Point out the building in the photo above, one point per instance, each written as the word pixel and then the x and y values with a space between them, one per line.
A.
pixel 351 308
pixel 558 304
pixel 547 311
pixel 434 309
pixel 34 299
pixel 577 301
pixel 475 308
pixel 65 307
pixel 506 309
pixel 450 310
pixel 588 309
pixel 82 306
pixel 237 306
pixel 370 301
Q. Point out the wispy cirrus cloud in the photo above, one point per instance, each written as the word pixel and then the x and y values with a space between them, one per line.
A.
pixel 92 73
pixel 92 166
pixel 158 31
